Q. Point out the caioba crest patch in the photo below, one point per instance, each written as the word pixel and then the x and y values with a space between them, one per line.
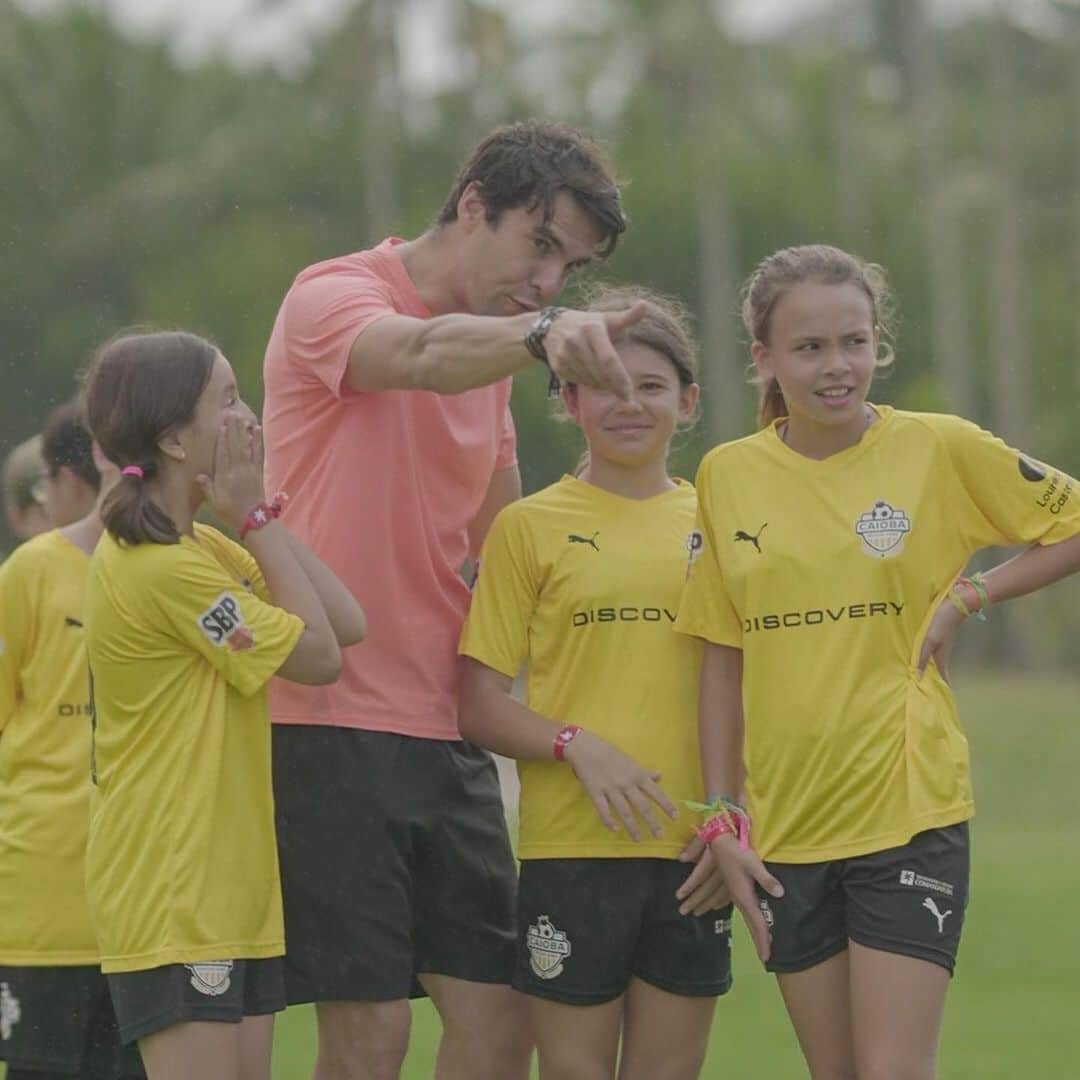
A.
pixel 882 529
pixel 549 948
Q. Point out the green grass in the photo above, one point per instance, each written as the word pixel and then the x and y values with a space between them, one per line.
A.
pixel 1011 1011
pixel 1012 1007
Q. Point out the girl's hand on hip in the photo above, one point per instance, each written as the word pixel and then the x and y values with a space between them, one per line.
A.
pixel 940 638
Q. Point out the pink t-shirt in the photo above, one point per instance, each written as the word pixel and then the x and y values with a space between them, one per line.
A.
pixel 383 487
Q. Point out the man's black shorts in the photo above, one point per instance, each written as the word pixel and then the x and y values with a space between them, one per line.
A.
pixel 586 926
pixel 908 900
pixel 222 990
pixel 395 861
pixel 61 1020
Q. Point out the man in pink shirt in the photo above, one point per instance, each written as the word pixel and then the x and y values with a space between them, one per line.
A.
pixel 387 421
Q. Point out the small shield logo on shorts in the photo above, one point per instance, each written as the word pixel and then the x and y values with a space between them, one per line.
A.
pixel 10 1011
pixel 212 978
pixel 548 948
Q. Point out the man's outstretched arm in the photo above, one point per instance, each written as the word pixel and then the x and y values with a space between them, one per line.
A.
pixel 449 354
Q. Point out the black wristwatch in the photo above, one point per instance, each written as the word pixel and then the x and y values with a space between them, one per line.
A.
pixel 534 342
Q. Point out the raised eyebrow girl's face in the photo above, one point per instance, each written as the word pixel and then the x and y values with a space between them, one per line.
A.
pixel 812 311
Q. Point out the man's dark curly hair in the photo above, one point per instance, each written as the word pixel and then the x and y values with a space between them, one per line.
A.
pixel 528 164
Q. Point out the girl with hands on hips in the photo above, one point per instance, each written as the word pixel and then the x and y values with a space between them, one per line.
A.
pixel 621 908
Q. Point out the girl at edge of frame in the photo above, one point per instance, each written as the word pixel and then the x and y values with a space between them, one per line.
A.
pixel 620 940
pixel 56 1015
pixel 184 628
pixel 828 586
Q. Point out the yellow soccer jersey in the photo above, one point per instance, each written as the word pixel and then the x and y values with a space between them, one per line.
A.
pixel 182 860
pixel 44 756
pixel 584 586
pixel 825 574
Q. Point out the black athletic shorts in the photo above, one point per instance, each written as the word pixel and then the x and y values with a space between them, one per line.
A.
pixel 61 1020
pixel 395 861
pixel 908 900
pixel 587 925
pixel 222 990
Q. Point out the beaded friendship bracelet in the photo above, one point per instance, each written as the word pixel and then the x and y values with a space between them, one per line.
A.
pixel 729 817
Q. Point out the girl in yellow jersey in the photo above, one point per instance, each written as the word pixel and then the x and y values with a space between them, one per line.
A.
pixel 826 582
pixel 56 1017
pixel 183 630
pixel 618 939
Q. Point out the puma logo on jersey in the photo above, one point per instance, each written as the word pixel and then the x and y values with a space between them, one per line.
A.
pixel 930 906
pixel 223 623
pixel 573 538
pixel 751 538
pixel 70 620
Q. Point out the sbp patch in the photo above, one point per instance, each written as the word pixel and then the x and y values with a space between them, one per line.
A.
pixel 223 623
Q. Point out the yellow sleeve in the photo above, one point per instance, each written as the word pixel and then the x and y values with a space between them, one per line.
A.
pixel 206 609
pixel 1015 499
pixel 496 631
pixel 238 558
pixel 16 619
pixel 705 608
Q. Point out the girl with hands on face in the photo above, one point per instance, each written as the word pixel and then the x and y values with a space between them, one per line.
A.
pixel 620 908
pixel 184 629
pixel 234 484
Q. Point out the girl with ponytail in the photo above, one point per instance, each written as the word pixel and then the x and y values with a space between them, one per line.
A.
pixel 623 922
pixel 184 628
pixel 829 586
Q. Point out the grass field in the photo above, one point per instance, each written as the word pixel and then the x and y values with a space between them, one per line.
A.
pixel 1012 1010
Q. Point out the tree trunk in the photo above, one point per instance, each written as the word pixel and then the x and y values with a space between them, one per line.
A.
pixel 948 274
pixel 847 140
pixel 1074 367
pixel 1010 364
pixel 382 126
pixel 722 367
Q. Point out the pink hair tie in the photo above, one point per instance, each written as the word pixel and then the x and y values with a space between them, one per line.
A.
pixel 132 470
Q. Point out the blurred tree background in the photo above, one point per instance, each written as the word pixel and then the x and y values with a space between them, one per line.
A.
pixel 145 187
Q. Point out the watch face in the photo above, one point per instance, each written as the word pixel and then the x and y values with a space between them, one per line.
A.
pixel 534 339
